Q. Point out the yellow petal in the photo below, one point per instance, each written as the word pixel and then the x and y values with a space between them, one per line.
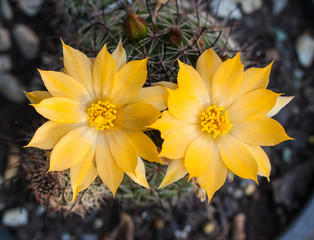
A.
pixel 78 66
pixel 167 123
pixel 62 85
pixel 169 85
pixel 198 155
pixel 207 64
pixel 108 171
pixel 227 82
pixel 47 136
pixel 72 148
pixel 190 79
pixel 262 160
pixel 139 177
pixel 177 142
pixel 137 116
pixel 253 105
pixel 119 56
pixel 261 132
pixel 175 171
pixel 130 79
pixel 237 157
pixel 37 96
pixel 183 105
pixel 83 173
pixel 61 110
pixel 281 102
pixel 104 72
pixel 122 150
pixel 214 175
pixel 143 145
pixel 156 96
pixel 255 78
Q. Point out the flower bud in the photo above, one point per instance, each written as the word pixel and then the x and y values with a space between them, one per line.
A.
pixel 135 27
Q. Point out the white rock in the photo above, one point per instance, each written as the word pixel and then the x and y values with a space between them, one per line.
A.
pixel 305 49
pixel 5 40
pixel 30 7
pixel 15 217
pixel 6 10
pixel 27 41
pixel 226 8
pixel 11 88
pixel 5 63
pixel 250 6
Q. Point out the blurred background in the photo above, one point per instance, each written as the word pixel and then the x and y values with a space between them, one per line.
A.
pixel 264 30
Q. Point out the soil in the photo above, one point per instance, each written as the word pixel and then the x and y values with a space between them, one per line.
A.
pixel 234 213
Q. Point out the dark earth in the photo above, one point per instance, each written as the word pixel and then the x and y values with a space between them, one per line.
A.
pixel 238 210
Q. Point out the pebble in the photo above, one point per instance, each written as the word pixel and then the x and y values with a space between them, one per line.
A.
pixel 238 193
pixel 11 88
pixel 89 236
pixel 30 7
pixel 305 49
pixel 27 41
pixel 66 236
pixel 250 6
pixel 5 39
pixel 279 5
pixel 209 228
pixel 226 8
pixel 5 63
pixel 98 223
pixel 6 10
pixel 286 154
pixel 250 189
pixel 15 217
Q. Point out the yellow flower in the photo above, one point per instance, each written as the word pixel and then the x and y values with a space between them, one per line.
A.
pixel 97 112
pixel 218 118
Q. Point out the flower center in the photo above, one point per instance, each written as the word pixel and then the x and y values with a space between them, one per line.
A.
pixel 101 115
pixel 215 121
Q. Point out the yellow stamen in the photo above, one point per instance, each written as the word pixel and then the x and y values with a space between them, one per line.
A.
pixel 215 121
pixel 101 115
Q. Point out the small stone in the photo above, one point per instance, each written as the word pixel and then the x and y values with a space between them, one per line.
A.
pixel 11 88
pixel 89 236
pixel 66 236
pixel 279 5
pixel 286 154
pixel 209 228
pixel 249 6
pixel 30 7
pixel 5 63
pixel 6 10
pixel 5 40
pixel 15 217
pixel 250 189
pixel 27 41
pixel 226 8
pixel 305 49
pixel 98 223
pixel 238 193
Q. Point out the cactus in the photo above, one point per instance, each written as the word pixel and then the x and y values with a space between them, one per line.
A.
pixel 161 30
